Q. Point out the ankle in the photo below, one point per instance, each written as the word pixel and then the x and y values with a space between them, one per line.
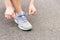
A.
pixel 19 12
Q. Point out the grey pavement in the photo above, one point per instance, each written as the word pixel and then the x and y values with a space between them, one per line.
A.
pixel 46 22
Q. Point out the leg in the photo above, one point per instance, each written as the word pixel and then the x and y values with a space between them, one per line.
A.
pixel 17 5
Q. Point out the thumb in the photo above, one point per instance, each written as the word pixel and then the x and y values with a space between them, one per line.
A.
pixel 13 15
pixel 29 12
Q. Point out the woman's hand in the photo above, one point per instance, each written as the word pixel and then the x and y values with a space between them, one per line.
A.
pixel 32 9
pixel 9 13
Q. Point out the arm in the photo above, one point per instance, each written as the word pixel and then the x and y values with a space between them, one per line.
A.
pixel 32 8
pixel 8 4
pixel 9 13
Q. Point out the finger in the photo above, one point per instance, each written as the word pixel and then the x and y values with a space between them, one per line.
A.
pixel 13 15
pixel 8 16
pixel 33 12
pixel 29 11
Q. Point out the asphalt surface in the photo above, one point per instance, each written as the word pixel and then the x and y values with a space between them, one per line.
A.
pixel 46 22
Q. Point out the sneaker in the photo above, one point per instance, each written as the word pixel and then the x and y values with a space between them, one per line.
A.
pixel 22 22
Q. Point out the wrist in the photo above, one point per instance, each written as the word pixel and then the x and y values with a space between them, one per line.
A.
pixel 32 2
pixel 10 8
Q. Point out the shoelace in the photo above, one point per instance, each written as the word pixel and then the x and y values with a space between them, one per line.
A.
pixel 23 18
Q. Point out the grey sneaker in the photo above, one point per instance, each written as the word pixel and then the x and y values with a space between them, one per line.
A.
pixel 22 22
